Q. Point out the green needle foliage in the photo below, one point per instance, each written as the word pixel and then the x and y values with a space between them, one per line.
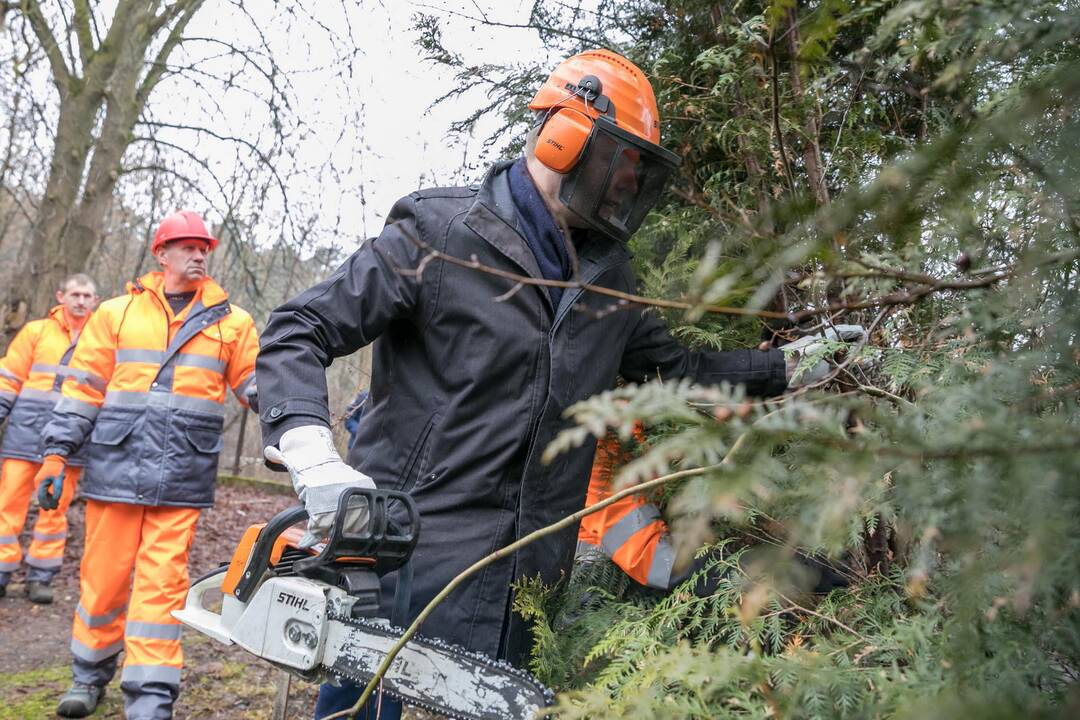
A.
pixel 912 167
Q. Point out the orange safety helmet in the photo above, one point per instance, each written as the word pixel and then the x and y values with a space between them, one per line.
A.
pixel 600 127
pixel 182 225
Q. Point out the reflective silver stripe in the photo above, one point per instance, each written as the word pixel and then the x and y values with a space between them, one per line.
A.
pixel 153 631
pixel 8 566
pixel 663 561
pixel 184 402
pixel 78 407
pixel 201 361
pixel 10 375
pixel 44 563
pixel 242 388
pixel 8 539
pixel 140 674
pixel 156 357
pixel 638 518
pixel 47 537
pixel 46 368
pixel 95 655
pixel 93 621
pixel 85 377
pixel 35 394
pixel 126 355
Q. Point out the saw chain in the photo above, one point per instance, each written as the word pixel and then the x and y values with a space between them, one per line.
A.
pixel 518 689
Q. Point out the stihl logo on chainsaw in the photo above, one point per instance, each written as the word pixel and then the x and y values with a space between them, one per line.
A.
pixel 292 601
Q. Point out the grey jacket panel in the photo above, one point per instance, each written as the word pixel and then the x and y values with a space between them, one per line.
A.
pixel 467 390
pixel 153 455
pixel 26 423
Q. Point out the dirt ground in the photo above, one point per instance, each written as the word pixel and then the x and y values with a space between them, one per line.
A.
pixel 218 682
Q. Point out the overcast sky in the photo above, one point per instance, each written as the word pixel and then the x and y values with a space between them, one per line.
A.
pixel 373 125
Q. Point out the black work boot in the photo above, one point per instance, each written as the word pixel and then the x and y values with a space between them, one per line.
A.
pixel 39 592
pixel 3 590
pixel 80 700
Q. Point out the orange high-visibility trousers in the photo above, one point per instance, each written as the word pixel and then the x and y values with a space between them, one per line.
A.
pixel 46 552
pixel 133 575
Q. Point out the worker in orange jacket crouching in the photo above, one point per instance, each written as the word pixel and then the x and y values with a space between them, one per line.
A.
pixel 633 534
pixel 31 374
pixel 160 360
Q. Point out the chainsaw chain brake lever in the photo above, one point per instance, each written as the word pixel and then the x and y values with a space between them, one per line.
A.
pixel 386 542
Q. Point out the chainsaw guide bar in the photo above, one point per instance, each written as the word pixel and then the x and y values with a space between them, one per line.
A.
pixel 434 675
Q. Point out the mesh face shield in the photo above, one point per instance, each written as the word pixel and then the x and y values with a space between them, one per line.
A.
pixel 617 180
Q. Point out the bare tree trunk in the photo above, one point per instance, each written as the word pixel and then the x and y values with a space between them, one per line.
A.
pixel 119 75
pixel 812 124
pixel 48 261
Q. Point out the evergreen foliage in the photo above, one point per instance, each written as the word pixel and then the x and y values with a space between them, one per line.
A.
pixel 911 166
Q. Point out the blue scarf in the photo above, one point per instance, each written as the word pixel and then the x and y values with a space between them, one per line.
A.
pixel 541 232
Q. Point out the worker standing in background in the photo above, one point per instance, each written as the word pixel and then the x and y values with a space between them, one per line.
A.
pixel 156 364
pixel 30 378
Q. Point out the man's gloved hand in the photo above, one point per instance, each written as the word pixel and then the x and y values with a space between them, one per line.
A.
pixel 50 481
pixel 809 348
pixel 251 397
pixel 319 476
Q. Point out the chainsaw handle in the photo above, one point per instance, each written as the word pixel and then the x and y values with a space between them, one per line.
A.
pixel 387 543
pixel 259 560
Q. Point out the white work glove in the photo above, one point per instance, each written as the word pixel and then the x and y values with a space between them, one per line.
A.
pixel 805 364
pixel 319 476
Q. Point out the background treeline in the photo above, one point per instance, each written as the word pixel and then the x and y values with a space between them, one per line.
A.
pixel 910 166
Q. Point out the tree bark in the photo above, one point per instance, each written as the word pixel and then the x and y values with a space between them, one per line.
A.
pixel 118 76
pixel 811 154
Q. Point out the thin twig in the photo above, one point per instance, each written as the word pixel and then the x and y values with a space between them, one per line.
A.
pixel 826 618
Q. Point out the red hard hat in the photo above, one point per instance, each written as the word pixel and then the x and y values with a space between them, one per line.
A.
pixel 182 225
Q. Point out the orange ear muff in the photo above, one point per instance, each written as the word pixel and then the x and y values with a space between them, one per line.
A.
pixel 562 139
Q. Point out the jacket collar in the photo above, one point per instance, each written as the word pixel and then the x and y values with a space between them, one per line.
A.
pixel 494 218
pixel 59 315
pixel 209 293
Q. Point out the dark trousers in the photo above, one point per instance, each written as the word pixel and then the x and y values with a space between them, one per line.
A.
pixel 335 699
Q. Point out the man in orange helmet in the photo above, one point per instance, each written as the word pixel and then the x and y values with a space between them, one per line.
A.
pixel 30 378
pixel 153 369
pixel 466 392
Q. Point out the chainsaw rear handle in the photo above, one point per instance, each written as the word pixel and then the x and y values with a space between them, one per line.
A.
pixel 386 542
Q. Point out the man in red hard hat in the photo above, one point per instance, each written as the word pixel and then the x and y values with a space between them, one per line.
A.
pixel 466 392
pixel 31 374
pixel 152 369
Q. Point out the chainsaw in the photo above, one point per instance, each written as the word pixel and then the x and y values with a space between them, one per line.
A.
pixel 313 612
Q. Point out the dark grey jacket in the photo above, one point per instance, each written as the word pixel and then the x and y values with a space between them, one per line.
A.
pixel 466 391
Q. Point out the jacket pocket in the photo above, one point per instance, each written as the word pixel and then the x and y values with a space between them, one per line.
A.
pixel 112 457
pixel 111 432
pixel 409 478
pixel 204 440
pixel 191 460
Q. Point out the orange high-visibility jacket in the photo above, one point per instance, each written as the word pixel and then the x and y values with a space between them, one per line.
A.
pixel 631 531
pixel 152 409
pixel 30 378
